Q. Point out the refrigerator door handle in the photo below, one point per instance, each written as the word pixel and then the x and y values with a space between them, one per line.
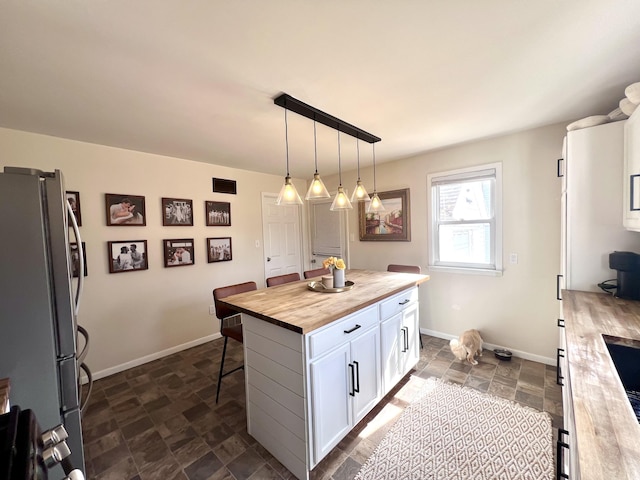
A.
pixel 76 233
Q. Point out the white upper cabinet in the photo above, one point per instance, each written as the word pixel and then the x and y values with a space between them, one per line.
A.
pixel 631 201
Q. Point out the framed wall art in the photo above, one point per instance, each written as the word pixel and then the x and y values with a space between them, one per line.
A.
pixel 177 212
pixel 218 214
pixel 392 224
pixel 74 200
pixel 125 210
pixel 127 256
pixel 178 252
pixel 74 255
pixel 219 249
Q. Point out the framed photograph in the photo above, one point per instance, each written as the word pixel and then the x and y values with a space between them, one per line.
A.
pixel 177 212
pixel 74 200
pixel 125 210
pixel 127 256
pixel 74 255
pixel 178 252
pixel 219 249
pixel 218 214
pixel 392 224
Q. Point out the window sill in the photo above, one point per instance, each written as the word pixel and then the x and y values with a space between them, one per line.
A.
pixel 466 271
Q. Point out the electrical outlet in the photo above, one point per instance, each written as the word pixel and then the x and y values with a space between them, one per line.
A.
pixel 212 309
pixel 513 258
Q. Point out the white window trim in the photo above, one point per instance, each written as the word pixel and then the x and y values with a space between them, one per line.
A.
pixel 469 171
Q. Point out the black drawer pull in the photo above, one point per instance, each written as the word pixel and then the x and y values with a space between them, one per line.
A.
pixel 558 277
pixel 632 207
pixel 405 302
pixel 559 377
pixel 560 445
pixel 353 329
pixel 560 172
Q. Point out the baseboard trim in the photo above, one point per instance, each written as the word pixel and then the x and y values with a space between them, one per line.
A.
pixel 150 358
pixel 491 346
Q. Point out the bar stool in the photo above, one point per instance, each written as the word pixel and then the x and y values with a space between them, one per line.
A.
pixel 228 330
pixel 282 279
pixel 405 269
pixel 316 273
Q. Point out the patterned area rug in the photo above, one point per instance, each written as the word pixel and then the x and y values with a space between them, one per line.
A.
pixel 452 432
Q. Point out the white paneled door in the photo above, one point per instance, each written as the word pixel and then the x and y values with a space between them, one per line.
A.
pixel 281 237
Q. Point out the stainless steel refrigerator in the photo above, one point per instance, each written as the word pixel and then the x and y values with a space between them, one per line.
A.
pixel 39 303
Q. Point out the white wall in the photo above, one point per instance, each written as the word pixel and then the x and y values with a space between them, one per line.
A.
pixel 132 316
pixel 517 310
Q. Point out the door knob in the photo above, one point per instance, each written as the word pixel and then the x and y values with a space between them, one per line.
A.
pixel 268 259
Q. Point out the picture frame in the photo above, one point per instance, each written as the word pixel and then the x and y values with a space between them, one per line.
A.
pixel 74 200
pixel 177 212
pixel 75 259
pixel 127 256
pixel 391 225
pixel 178 252
pixel 217 214
pixel 219 249
pixel 125 210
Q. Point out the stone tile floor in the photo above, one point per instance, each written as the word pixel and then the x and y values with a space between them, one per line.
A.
pixel 160 421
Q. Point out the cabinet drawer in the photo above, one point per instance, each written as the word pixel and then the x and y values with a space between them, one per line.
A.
pixel 342 331
pixel 397 303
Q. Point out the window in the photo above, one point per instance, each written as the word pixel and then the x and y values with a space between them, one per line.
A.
pixel 465 217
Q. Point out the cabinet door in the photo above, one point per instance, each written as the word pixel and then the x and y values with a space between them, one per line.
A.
pixel 410 342
pixel 631 179
pixel 330 400
pixel 390 350
pixel 365 362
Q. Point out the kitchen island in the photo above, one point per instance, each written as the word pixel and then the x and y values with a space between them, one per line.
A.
pixel 317 363
pixel 598 416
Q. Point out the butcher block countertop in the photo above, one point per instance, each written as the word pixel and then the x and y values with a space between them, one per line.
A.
pixel 608 433
pixel 295 307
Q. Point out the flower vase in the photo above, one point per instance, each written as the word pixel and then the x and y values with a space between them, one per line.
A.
pixel 338 277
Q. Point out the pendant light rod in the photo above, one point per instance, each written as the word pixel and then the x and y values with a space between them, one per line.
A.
pixel 286 138
pixel 339 162
pixel 315 144
pixel 289 103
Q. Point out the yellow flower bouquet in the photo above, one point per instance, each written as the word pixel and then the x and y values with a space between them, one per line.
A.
pixel 337 268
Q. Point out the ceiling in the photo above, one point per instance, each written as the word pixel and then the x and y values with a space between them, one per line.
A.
pixel 196 79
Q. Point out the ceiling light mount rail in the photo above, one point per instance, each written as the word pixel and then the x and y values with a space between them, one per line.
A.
pixel 294 105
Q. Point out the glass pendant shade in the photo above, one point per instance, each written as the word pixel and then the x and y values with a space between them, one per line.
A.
pixel 359 193
pixel 341 202
pixel 375 205
pixel 317 188
pixel 288 194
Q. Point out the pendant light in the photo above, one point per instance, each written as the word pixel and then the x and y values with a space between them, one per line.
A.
pixel 359 193
pixel 317 188
pixel 288 193
pixel 341 202
pixel 376 204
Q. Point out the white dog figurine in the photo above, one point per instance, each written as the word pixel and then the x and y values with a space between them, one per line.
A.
pixel 467 346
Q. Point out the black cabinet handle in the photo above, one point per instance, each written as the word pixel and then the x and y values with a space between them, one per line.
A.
pixel 405 339
pixel 353 329
pixel 560 172
pixel 405 302
pixel 558 277
pixel 357 387
pixel 560 445
pixel 631 193
pixel 561 322
pixel 353 381
pixel 559 377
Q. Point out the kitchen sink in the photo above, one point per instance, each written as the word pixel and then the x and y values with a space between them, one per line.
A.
pixel 625 354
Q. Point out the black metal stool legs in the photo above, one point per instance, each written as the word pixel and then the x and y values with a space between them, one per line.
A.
pixel 220 375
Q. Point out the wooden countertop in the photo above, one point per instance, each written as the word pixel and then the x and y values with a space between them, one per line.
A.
pixel 608 433
pixel 295 307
